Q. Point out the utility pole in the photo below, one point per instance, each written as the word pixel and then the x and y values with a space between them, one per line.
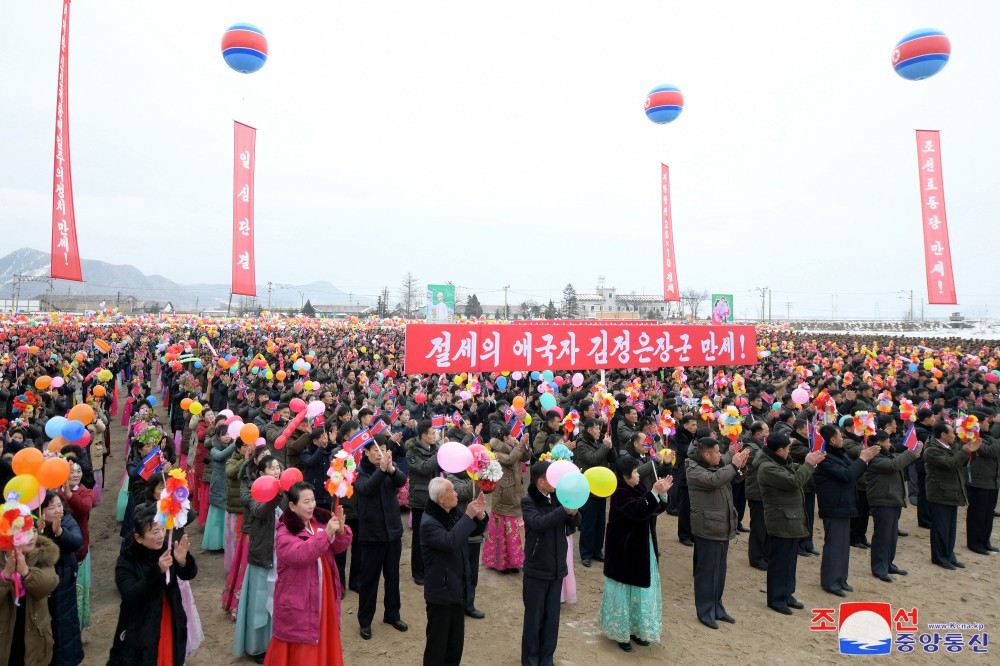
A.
pixel 18 279
pixel 788 310
pixel 506 308
pixel 230 306
pixel 763 292
pixel 271 286
pixel 911 305
pixel 769 305
pixel 302 299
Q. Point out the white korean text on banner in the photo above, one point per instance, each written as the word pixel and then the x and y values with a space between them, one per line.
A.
pixel 244 273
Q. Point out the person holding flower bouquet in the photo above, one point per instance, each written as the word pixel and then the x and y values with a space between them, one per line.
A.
pixel 946 458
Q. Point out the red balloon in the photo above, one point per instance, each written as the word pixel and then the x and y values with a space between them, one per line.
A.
pixel 992 377
pixel 233 419
pixel 420 398
pixel 264 489
pixel 290 477
pixel 297 405
pixel 280 442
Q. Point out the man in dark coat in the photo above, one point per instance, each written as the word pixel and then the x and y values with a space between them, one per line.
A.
pixel 714 520
pixel 984 473
pixel 781 483
pixel 590 452
pixel 683 439
pixel 381 536
pixel 887 497
pixel 757 543
pixel 546 523
pixel 836 488
pixel 445 533
pixel 924 430
pixel 946 459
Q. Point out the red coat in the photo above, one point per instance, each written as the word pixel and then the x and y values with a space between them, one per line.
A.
pixel 79 507
pixel 296 592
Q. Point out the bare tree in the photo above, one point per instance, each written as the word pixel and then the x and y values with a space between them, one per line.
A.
pixel 693 300
pixel 409 294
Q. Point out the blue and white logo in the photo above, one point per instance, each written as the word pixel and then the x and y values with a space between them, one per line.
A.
pixel 865 628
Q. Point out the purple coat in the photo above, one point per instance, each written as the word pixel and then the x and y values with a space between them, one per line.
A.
pixel 296 593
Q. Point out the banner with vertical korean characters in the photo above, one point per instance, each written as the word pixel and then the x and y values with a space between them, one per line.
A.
pixel 937 249
pixel 65 256
pixel 451 348
pixel 244 273
pixel 671 291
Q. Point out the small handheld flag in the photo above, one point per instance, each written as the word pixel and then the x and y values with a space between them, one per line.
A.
pixel 378 425
pixel 437 422
pixel 395 414
pixel 767 397
pixel 517 428
pixel 151 464
pixel 910 441
pixel 357 442
pixel 816 441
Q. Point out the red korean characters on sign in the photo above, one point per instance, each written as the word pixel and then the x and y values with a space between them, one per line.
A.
pixel 244 273
pixel 452 348
pixel 937 249
pixel 671 292
pixel 65 258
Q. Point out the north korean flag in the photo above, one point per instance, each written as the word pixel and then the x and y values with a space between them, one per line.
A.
pixel 816 441
pixel 437 422
pixel 517 428
pixel 910 441
pixel 357 442
pixel 395 414
pixel 767 397
pixel 378 425
pixel 151 464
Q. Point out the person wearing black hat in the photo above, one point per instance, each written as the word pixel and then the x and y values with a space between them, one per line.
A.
pixel 381 534
pixel 546 524
pixel 924 431
pixel 781 483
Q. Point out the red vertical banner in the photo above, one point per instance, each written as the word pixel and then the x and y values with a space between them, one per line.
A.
pixel 65 253
pixel 671 292
pixel 937 249
pixel 244 273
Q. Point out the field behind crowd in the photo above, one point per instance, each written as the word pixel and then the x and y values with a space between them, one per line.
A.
pixel 759 635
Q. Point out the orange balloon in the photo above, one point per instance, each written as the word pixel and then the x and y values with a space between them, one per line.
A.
pixel 32 349
pixel 55 446
pixel 102 345
pixel 280 375
pixel 53 473
pixel 82 413
pixel 249 433
pixel 99 391
pixel 43 382
pixel 185 403
pixel 80 356
pixel 518 402
pixel 27 461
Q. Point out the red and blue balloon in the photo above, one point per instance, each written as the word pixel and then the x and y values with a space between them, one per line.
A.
pixel 244 48
pixel 921 54
pixel 664 103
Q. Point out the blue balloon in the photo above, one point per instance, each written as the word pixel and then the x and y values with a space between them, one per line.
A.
pixel 151 400
pixel 72 431
pixel 244 48
pixel 55 426
pixel 914 367
pixel 548 376
pixel 501 383
pixel 573 490
pixel 197 364
pixel 535 376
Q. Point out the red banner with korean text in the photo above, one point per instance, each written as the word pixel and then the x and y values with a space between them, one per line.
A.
pixel 64 261
pixel 671 291
pixel 244 273
pixel 452 348
pixel 937 249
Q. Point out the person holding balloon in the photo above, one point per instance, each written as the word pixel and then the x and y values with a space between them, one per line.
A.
pixel 27 578
pixel 222 448
pixel 244 457
pixel 503 549
pixel 79 502
pixel 263 504
pixel 631 606
pixel 60 528
pixel 589 453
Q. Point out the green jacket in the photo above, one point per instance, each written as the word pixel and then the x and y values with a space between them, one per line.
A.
pixel 752 489
pixel 946 472
pixel 713 515
pixel 884 476
pixel 781 484
pixel 234 469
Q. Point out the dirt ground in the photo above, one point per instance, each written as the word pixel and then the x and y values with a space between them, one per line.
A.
pixel 759 635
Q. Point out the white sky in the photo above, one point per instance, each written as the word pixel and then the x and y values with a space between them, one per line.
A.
pixel 493 144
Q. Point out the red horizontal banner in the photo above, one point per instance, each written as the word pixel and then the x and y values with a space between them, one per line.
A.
pixel 452 348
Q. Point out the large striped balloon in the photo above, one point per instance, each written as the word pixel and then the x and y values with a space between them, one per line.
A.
pixel 664 104
pixel 244 48
pixel 921 54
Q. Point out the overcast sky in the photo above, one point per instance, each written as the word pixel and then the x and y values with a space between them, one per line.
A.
pixel 506 144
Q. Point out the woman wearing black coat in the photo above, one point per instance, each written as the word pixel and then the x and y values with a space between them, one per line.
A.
pixel 63 530
pixel 631 607
pixel 142 637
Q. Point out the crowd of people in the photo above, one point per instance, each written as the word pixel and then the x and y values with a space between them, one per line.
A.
pixel 851 429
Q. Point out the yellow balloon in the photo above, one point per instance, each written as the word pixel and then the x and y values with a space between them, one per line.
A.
pixel 928 364
pixel 602 481
pixel 527 419
pixel 505 374
pixel 24 485
pixel 195 408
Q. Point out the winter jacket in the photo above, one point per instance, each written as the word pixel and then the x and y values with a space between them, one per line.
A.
pixel 143 588
pixel 590 453
pixel 682 441
pixel 797 454
pixel 752 489
pixel 378 510
pixel 885 478
pixel 40 582
pixel 296 445
pixel 546 525
pixel 315 465
pixel 422 466
pixel 234 470
pixel 506 497
pixel 836 484
pixel 467 490
pixel 630 537
pixel 946 469
pixel 67 649
pixel 297 600
pixel 80 506
pixel 713 515
pixel 270 433
pixel 444 544
pixel 984 470
pixel 218 455
pixel 781 484
pixel 259 519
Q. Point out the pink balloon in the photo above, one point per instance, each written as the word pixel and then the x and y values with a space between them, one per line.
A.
pixel 37 502
pixel 315 408
pixel 316 386
pixel 541 387
pixel 226 412
pixel 465 395
pixel 84 439
pixel 800 396
pixel 234 429
pixel 233 419
pixel 577 380
pixel 280 442
pixel 454 457
pixel 558 470
pixel 476 448
pixel 57 382
pixel 296 405
pixel 260 442
pixel 516 376
pixel 559 381
pixel 557 409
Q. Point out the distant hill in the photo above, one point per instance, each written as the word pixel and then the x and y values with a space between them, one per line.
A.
pixel 103 278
